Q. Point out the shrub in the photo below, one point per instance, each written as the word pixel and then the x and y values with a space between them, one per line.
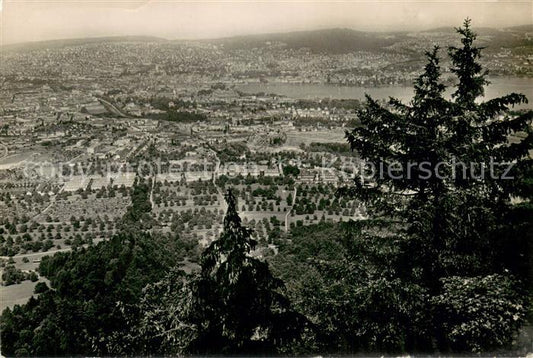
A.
pixel 478 313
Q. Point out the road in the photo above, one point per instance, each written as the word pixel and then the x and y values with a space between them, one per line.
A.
pixel 43 211
pixel 52 201
pixel 152 193
pixel 51 252
pixel 289 211
pixel 111 108
pixel 45 253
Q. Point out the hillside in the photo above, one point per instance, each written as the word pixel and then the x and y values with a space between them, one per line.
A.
pixel 336 41
pixel 329 41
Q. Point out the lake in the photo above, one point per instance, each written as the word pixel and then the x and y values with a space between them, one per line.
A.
pixel 499 86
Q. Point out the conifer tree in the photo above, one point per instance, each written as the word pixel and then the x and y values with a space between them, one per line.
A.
pixel 233 306
pixel 447 214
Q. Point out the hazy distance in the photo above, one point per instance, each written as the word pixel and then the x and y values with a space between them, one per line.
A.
pixel 36 20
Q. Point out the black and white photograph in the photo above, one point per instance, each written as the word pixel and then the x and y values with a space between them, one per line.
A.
pixel 253 178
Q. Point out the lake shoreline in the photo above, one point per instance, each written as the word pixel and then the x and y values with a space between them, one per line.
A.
pixel 499 86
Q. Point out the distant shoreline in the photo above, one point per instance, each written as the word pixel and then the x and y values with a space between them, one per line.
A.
pixel 498 86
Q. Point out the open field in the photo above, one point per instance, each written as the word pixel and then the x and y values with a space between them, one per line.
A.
pixel 17 294
pixel 295 138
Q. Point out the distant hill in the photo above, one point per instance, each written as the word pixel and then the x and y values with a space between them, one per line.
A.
pixel 510 37
pixel 521 28
pixel 451 30
pixel 335 41
pixel 332 41
pixel 78 41
pixel 329 41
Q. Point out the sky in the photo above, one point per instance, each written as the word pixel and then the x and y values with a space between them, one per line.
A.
pixel 36 20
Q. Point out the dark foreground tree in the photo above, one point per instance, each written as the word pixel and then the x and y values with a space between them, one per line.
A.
pixel 233 306
pixel 446 195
